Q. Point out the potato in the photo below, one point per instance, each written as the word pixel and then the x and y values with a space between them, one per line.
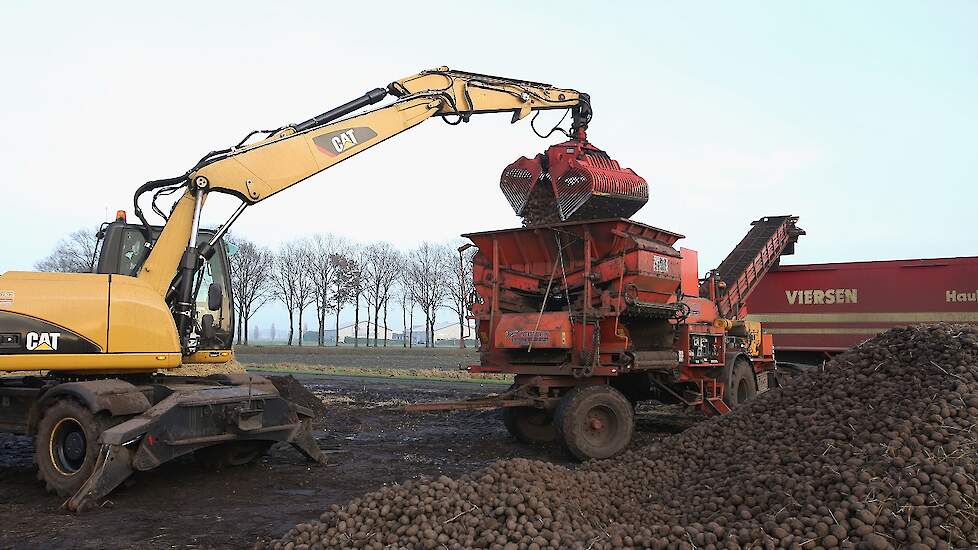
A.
pixel 879 450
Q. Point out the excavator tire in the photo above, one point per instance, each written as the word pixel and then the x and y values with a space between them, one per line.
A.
pixel 231 454
pixel 741 385
pixel 595 422
pixel 66 445
pixel 530 425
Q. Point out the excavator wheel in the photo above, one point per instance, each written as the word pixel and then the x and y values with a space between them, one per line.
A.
pixel 595 422
pixel 530 425
pixel 231 454
pixel 741 385
pixel 66 445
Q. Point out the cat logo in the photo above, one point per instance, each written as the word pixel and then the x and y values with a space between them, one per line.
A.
pixel 42 341
pixel 340 141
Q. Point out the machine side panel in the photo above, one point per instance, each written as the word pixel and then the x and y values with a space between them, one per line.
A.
pixel 831 307
pixel 139 321
pixel 35 307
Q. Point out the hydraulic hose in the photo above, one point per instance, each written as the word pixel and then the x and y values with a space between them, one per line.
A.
pixel 145 188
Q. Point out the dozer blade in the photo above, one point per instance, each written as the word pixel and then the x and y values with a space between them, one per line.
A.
pixel 572 181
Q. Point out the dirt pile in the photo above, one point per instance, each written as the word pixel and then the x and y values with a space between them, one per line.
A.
pixel 206 369
pixel 880 450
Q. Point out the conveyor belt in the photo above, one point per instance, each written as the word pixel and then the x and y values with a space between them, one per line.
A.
pixel 757 252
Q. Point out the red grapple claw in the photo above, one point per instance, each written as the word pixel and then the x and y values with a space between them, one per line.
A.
pixel 519 180
pixel 574 181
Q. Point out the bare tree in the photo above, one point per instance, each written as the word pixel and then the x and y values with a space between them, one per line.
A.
pixel 325 269
pixel 381 267
pixel 343 286
pixel 428 281
pixel 305 289
pixel 397 266
pixel 402 296
pixel 74 254
pixel 386 331
pixel 286 281
pixel 251 280
pixel 356 289
pixel 459 285
pixel 405 295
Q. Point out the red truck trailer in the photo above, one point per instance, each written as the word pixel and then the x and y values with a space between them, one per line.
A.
pixel 816 310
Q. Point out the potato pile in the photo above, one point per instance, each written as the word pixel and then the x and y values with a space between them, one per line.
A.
pixel 541 205
pixel 878 450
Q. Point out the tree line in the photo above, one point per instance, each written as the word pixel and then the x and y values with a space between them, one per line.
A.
pixel 321 275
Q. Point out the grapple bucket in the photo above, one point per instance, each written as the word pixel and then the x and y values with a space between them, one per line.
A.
pixel 572 181
pixel 519 181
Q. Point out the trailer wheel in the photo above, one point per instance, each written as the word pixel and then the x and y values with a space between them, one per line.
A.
pixel 741 384
pixel 231 454
pixel 530 425
pixel 595 422
pixel 66 445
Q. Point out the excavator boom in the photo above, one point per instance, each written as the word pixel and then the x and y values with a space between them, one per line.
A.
pixel 256 171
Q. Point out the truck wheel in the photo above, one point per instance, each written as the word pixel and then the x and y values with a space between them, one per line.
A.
pixel 741 384
pixel 66 446
pixel 231 454
pixel 594 422
pixel 530 425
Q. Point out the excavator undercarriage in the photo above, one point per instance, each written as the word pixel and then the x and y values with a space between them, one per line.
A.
pixel 136 423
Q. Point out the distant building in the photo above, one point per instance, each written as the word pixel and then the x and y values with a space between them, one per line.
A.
pixel 347 333
pixel 451 332
pixel 446 334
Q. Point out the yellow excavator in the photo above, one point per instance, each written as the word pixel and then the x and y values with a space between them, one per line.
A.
pixel 160 298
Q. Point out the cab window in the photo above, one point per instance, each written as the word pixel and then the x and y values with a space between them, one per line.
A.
pixel 215 271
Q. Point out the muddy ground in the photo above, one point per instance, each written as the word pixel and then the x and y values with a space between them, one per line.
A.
pixel 370 443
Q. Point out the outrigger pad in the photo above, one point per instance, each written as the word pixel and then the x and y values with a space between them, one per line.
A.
pixel 302 440
pixel 114 466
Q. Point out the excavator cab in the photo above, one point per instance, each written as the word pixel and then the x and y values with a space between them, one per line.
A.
pixel 123 251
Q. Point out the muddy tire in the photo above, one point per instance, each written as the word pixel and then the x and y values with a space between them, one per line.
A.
pixel 741 386
pixel 594 422
pixel 231 454
pixel 530 425
pixel 66 445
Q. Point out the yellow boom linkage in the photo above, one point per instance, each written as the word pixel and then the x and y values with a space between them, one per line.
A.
pixel 258 171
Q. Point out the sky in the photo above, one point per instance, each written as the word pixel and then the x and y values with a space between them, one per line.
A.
pixel 858 117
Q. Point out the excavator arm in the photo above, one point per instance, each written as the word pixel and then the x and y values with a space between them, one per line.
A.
pixel 291 154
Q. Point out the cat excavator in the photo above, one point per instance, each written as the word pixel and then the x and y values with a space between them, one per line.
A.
pixel 103 407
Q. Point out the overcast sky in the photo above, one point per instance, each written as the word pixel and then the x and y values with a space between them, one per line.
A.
pixel 858 117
